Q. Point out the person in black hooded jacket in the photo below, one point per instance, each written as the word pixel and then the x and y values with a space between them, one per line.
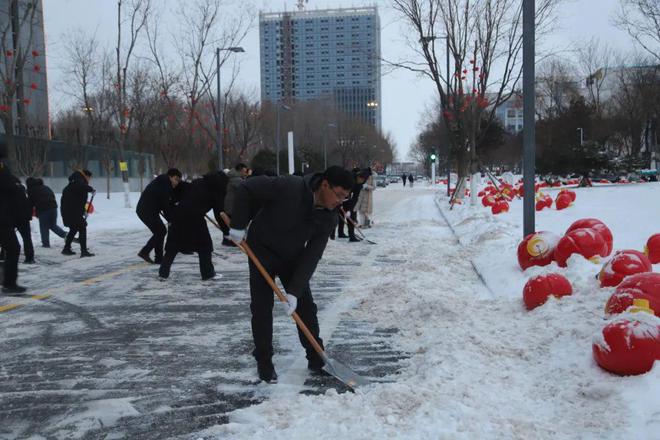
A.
pixel 155 200
pixel 188 231
pixel 42 199
pixel 291 220
pixel 74 215
pixel 23 225
pixel 11 214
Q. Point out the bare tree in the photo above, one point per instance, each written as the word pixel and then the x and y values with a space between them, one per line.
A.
pixel 556 86
pixel 594 63
pixel 641 19
pixel 484 38
pixel 136 16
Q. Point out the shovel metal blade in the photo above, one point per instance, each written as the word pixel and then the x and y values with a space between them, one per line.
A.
pixel 344 374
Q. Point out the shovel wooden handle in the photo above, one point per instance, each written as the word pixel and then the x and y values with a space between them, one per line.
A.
pixel 264 273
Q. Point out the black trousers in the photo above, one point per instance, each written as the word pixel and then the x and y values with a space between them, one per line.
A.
pixel 81 230
pixel 156 241
pixel 206 268
pixel 12 249
pixel 261 306
pixel 26 236
pixel 351 229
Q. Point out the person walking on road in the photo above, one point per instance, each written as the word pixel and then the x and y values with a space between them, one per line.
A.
pixel 349 207
pixel 42 199
pixel 154 201
pixel 10 201
pixel 23 225
pixel 188 231
pixel 411 179
pixel 290 221
pixel 365 201
pixel 403 179
pixel 74 214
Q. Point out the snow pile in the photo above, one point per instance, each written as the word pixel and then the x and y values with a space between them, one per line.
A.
pixel 481 366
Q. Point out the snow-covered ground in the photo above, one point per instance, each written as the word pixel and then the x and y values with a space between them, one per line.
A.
pixel 482 366
pixel 479 365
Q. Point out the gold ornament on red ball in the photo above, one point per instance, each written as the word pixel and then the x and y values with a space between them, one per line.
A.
pixel 622 264
pixel 639 291
pixel 537 249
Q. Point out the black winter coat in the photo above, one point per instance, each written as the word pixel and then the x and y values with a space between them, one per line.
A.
pixel 74 197
pixel 285 222
pixel 349 205
pixel 189 231
pixel 156 198
pixel 41 197
pixel 14 205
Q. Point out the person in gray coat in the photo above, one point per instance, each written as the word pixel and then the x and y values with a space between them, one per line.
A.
pixel 290 221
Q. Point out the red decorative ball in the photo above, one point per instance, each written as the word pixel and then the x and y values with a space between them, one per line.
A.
pixel 570 193
pixel 540 205
pixel 562 201
pixel 622 264
pixel 539 288
pixel 597 225
pixel 488 201
pixel 537 249
pixel 628 347
pixel 584 241
pixel 499 207
pixel 652 248
pixel 641 291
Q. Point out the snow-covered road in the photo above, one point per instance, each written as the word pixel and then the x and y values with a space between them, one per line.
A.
pixel 114 352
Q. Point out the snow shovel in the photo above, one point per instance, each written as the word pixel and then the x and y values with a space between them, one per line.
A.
pixel 361 235
pixel 89 205
pixel 332 367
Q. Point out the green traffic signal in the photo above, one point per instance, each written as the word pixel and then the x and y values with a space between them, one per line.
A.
pixel 433 157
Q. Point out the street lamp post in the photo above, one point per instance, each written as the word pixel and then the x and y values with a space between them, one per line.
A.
pixel 581 135
pixel 219 113
pixel 277 140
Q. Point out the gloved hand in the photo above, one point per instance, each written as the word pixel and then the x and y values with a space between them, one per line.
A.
pixel 291 304
pixel 237 235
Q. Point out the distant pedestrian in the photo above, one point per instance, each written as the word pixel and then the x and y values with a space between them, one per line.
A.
pixel 154 202
pixel 42 200
pixel 23 225
pixel 404 177
pixel 10 201
pixel 411 179
pixel 74 213
pixel 189 231
pixel 365 201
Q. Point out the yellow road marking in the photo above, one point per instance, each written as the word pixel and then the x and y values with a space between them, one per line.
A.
pixel 87 282
pixel 9 307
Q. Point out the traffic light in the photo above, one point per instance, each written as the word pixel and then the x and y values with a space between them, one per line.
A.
pixel 433 156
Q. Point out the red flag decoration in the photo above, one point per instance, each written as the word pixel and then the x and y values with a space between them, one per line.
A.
pixel 35 53
pixel 36 68
pixel 33 86
pixel 27 101
pixel 10 53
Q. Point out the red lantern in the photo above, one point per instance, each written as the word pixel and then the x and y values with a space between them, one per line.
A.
pixel 584 241
pixel 35 53
pixel 36 68
pixel 537 249
pixel 597 225
pixel 641 290
pixel 538 289
pixel 628 346
pixel 540 205
pixel 562 201
pixel 10 53
pixel 33 86
pixel 652 248
pixel 499 207
pixel 27 101
pixel 622 264
pixel 570 193
pixel 488 201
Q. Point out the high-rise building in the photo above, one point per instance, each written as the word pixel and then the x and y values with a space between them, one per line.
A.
pixel 22 22
pixel 328 54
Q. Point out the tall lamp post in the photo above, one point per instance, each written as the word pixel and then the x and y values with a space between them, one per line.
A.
pixel 277 135
pixel 581 135
pixel 219 113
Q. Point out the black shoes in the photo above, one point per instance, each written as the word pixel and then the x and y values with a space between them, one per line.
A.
pixel 342 235
pixel 67 251
pixel 145 256
pixel 29 261
pixel 266 371
pixel 353 239
pixel 86 253
pixel 13 290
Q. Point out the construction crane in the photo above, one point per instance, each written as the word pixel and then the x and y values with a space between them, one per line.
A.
pixel 301 4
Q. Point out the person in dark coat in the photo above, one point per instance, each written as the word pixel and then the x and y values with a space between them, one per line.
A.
pixel 23 225
pixel 74 215
pixel 189 231
pixel 11 199
pixel 236 176
pixel 404 178
pixel 288 234
pixel 349 207
pixel 411 179
pixel 154 201
pixel 42 199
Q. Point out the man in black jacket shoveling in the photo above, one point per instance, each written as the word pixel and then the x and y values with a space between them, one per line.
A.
pixel 292 218
pixel 74 214
pixel 154 200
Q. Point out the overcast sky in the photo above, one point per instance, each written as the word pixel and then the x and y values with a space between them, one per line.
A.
pixel 406 97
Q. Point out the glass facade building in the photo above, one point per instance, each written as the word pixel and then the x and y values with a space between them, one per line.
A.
pixel 329 54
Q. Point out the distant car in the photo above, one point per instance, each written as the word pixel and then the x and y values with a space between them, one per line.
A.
pixel 394 179
pixel 381 181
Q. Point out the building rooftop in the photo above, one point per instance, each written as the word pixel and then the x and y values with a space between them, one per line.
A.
pixel 319 13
